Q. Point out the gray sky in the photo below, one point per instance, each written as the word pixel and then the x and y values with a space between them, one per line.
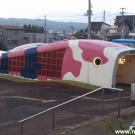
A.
pixel 65 10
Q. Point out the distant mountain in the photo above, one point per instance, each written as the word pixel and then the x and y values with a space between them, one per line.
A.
pixel 50 25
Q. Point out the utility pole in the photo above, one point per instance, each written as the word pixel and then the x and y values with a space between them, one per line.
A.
pixel 122 30
pixel 45 28
pixel 134 27
pixel 89 20
pixel 104 26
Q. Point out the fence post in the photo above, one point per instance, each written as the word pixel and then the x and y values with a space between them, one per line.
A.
pixel 119 103
pixel 21 128
pixel 53 118
pixel 102 110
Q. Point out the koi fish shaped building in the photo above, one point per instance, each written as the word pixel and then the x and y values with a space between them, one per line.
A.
pixel 95 62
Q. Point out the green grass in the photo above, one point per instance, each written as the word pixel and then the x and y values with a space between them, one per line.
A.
pixel 15 79
pixel 78 84
pixel 73 83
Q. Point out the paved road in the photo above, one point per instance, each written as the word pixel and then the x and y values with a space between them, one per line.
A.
pixel 18 101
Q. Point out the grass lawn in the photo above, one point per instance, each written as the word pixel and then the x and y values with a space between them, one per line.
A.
pixel 15 79
pixel 78 84
pixel 73 83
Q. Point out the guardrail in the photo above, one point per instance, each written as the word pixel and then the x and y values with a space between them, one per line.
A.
pixel 53 108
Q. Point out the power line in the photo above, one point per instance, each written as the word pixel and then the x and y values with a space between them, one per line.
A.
pixel 66 16
pixel 98 7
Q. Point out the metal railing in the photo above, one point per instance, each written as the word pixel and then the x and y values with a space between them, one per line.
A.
pixel 53 108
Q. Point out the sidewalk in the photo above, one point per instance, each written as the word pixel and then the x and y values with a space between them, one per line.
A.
pixel 95 126
pixel 98 128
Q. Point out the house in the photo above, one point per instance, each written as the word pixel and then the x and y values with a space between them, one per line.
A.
pixel 114 33
pixel 127 24
pixel 58 36
pixel 12 36
pixel 98 28
pixel 39 37
pixel 98 31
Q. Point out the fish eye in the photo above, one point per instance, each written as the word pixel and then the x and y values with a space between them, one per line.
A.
pixel 97 61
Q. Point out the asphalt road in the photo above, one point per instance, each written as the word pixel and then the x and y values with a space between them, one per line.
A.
pixel 19 101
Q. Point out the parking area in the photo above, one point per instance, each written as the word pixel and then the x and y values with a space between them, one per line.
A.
pixel 19 101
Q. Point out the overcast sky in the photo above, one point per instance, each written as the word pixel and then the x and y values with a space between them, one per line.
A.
pixel 64 10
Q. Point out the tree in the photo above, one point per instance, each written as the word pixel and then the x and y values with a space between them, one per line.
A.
pixel 33 28
pixel 25 28
pixel 29 28
pixel 81 31
pixel 42 29
pixel 2 46
pixel 86 30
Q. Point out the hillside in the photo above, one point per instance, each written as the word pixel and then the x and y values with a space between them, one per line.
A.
pixel 50 25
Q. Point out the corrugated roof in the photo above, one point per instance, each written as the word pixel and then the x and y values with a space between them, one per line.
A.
pixel 11 27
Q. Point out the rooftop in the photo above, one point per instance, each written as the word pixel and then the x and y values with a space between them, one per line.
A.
pixel 11 27
pixel 128 19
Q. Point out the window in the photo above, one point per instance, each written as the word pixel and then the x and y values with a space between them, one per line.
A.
pixel 13 42
pixel 118 30
pixel 97 61
pixel 1 33
pixel 35 40
pixel 10 41
pixel 38 40
pixel 16 32
pixel 16 42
